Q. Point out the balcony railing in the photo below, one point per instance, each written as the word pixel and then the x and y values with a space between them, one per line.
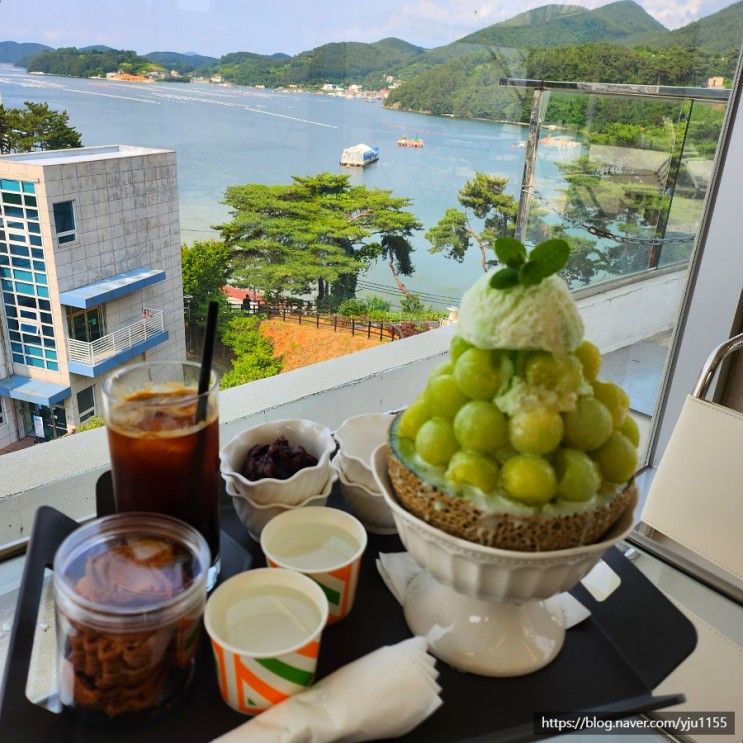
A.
pixel 120 340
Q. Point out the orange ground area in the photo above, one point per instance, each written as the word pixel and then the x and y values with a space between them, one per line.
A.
pixel 301 345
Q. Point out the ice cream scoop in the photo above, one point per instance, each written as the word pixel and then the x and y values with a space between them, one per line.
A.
pixel 542 317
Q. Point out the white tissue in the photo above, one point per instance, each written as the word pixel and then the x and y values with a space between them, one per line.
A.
pixel 385 694
pixel 399 568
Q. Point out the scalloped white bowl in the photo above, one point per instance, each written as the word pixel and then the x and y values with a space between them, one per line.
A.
pixel 307 482
pixel 368 506
pixel 486 572
pixel 357 438
pixel 256 515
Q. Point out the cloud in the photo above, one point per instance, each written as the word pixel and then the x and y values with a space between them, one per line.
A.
pixel 672 13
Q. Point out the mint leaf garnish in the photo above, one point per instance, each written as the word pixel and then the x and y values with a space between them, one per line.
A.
pixel 510 251
pixel 552 255
pixel 505 278
pixel 545 259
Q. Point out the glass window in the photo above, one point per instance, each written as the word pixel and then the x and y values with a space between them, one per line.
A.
pixel 28 187
pixel 64 218
pixel 86 325
pixel 8 185
pixel 2 417
pixel 86 403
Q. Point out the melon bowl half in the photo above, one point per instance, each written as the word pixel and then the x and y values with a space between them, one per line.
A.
pixel 528 532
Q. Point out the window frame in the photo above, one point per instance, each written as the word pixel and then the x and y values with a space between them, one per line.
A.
pixel 87 413
pixel 65 236
pixel 713 296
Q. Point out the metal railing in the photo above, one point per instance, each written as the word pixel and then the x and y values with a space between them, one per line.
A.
pixel 120 340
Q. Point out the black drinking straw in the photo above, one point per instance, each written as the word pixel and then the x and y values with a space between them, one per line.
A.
pixel 203 400
pixel 206 360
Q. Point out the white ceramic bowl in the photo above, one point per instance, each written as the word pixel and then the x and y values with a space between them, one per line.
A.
pixel 357 438
pixel 256 515
pixel 368 506
pixel 486 572
pixel 308 482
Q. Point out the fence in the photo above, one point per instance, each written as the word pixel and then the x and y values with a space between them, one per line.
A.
pixel 382 331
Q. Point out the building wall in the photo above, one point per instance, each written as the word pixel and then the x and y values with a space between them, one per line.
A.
pixel 126 217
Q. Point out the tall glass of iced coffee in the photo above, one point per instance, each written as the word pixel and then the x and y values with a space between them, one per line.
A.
pixel 164 442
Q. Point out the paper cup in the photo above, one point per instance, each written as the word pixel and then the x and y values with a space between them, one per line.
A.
pixel 265 627
pixel 324 544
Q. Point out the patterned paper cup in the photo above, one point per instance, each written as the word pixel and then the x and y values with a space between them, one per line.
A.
pixel 324 544
pixel 265 627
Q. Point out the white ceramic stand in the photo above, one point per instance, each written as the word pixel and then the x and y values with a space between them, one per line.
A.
pixel 489 638
pixel 483 609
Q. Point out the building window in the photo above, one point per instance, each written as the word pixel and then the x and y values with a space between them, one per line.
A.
pixel 23 279
pixel 86 325
pixel 2 414
pixel 86 403
pixel 64 221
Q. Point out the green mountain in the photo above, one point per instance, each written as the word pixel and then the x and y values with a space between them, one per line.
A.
pixel 180 62
pixel 719 32
pixel 342 62
pixel 557 25
pixel 92 63
pixel 18 54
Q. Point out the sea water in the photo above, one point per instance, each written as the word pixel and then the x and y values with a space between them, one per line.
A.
pixel 315 547
pixel 270 620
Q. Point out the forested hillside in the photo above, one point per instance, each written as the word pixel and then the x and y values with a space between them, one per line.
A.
pixel 91 62
pixel 15 53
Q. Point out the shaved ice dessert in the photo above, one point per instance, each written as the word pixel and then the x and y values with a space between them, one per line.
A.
pixel 515 442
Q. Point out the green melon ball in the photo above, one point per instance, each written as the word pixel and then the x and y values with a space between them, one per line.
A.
pixel 590 359
pixel 443 396
pixel 473 468
pixel 477 373
pixel 535 431
pixel 529 479
pixel 413 418
pixel 615 399
pixel 435 441
pixel 480 426
pixel 630 429
pixel 458 346
pixel 578 476
pixel 559 373
pixel 589 425
pixel 617 458
pixel 445 367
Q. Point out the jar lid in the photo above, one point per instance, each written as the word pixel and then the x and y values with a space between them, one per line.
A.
pixel 130 565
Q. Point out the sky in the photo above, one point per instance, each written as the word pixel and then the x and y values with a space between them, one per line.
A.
pixel 215 27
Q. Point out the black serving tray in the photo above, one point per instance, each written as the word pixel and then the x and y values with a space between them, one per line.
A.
pixel 609 664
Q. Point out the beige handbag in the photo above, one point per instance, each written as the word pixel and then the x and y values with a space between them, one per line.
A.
pixel 694 509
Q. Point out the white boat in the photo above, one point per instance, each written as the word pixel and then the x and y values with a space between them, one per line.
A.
pixel 359 155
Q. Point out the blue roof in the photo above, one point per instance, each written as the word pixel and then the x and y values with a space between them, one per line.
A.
pixel 33 390
pixel 113 287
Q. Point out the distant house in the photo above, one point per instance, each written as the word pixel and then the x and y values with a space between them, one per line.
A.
pixel 215 79
pixel 243 298
pixel 716 82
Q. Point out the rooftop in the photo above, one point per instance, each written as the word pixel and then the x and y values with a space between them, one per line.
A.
pixel 80 155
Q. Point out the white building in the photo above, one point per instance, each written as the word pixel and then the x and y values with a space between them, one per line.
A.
pixel 90 270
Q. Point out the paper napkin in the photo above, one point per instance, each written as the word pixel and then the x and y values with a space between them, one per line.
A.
pixel 385 694
pixel 399 568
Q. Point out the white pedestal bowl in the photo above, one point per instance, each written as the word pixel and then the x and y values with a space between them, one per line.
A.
pixel 483 609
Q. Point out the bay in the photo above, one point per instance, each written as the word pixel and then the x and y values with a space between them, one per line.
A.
pixel 232 135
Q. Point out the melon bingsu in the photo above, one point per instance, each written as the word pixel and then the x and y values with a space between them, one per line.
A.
pixel 515 442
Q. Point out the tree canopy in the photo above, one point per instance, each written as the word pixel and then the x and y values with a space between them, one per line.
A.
pixel 482 197
pixel 205 269
pixel 36 127
pixel 315 234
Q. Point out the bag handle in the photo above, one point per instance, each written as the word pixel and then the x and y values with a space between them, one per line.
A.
pixel 713 361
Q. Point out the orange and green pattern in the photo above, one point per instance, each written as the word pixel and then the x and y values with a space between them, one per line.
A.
pixel 251 685
pixel 339 587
